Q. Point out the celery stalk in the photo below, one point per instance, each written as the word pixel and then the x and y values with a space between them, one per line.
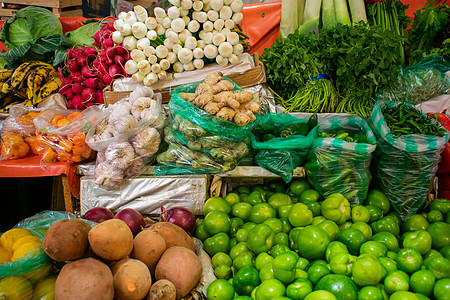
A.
pixel 357 11
pixel 328 14
pixel 342 14
pixel 289 17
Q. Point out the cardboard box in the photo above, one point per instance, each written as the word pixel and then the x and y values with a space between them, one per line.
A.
pixel 61 8
pixel 249 78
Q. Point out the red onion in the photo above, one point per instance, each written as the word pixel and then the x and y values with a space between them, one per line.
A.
pixel 98 214
pixel 180 216
pixel 133 218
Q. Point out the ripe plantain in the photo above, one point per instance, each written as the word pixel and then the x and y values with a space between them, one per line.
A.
pixel 5 74
pixel 19 75
pixel 21 93
pixel 50 87
pixel 36 78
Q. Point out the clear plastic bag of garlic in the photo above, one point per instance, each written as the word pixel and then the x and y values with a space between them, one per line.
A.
pixel 185 37
pixel 128 138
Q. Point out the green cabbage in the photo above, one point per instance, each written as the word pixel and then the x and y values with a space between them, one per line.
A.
pixel 28 25
pixel 82 35
pixel 34 33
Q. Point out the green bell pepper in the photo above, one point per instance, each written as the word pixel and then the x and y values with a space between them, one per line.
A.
pixel 284 266
pixel 386 224
pixel 336 208
pixel 342 263
pixel 245 280
pixel 260 238
pixel 219 242
pixel 296 129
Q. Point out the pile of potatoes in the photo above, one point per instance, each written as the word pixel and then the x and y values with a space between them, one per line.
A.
pixel 107 262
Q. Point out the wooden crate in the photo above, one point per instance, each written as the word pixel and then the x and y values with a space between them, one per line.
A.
pixel 61 8
pixel 249 78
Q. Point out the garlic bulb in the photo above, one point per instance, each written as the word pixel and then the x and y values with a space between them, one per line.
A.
pixel 135 168
pixel 141 104
pixel 120 110
pixel 147 141
pixel 119 155
pixel 124 124
pixel 107 176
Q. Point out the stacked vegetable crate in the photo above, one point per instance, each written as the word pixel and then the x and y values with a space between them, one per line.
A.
pixel 61 8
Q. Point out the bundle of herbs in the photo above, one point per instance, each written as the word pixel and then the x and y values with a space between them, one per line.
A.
pixel 428 31
pixel 298 76
pixel 357 60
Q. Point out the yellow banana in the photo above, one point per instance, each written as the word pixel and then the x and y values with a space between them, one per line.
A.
pixel 21 93
pixel 36 78
pixel 5 74
pixel 50 87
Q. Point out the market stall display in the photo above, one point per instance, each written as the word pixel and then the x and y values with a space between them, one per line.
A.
pixel 353 86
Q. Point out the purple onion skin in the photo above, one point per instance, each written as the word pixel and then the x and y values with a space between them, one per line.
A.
pixel 98 214
pixel 132 218
pixel 180 216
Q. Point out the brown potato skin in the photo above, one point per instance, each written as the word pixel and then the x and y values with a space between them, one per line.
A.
pixel 162 290
pixel 174 235
pixel 148 247
pixel 111 239
pixel 67 240
pixel 132 279
pixel 180 266
pixel 84 279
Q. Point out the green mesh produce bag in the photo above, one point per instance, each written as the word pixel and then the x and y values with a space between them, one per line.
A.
pixel 199 142
pixel 404 167
pixel 336 166
pixel 281 155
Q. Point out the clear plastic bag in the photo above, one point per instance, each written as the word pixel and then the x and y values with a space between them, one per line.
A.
pixel 127 139
pixel 405 166
pixel 336 166
pixel 281 155
pixel 61 134
pixel 19 133
pixel 420 82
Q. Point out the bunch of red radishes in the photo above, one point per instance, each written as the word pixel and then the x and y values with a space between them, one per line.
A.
pixel 90 69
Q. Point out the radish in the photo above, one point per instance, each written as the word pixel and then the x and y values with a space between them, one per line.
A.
pixel 70 105
pixel 77 88
pixel 68 80
pixel 119 60
pixel 96 63
pixel 77 77
pixel 110 26
pixel 107 79
pixel 72 65
pixel 87 94
pixel 120 50
pixel 82 60
pixel 110 52
pixel 63 89
pixel 89 104
pixel 90 52
pixel 77 102
pixel 100 99
pixel 109 61
pixel 87 72
pixel 114 70
pixel 107 43
pixel 100 85
pixel 91 83
pixel 127 56
pixel 77 53
pixel 103 68
pixel 69 94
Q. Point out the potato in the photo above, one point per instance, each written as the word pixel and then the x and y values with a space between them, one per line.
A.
pixel 111 239
pixel 180 266
pixel 86 278
pixel 162 290
pixel 174 235
pixel 132 279
pixel 67 240
pixel 148 247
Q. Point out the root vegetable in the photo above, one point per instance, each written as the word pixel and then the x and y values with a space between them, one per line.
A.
pixel 233 38
pixel 237 17
pixel 201 16
pixel 185 55
pixel 111 239
pixel 151 23
pixel 130 18
pixel 233 59
pixel 174 235
pixel 142 43
pixel 130 42
pixel 186 4
pixel 178 25
pixel 189 66
pixel 175 2
pixel 184 35
pixel 84 279
pixel 178 67
pixel 160 30
pixel 137 55
pixel 77 88
pixel 131 67
pixel 198 53
pixel 210 51
pixel 238 49
pixel 218 39
pixel 139 30
pixel 180 266
pixel 184 12
pixel 159 12
pixel 98 214
pixel 66 240
pixel 125 29
pixel 169 44
pixel 173 12
pixel 117 37
pixel 225 49
pixel 148 248
pixel 176 48
pixel 138 77
pixel 213 15
pixel 152 59
pixel 208 26
pixel 156 68
pixel 165 64
pixel 152 35
pixel 144 67
pixel 141 13
pixel 162 74
pixel 193 26
pixel 237 6
pixel 162 290
pixel 161 51
pixel 197 5
pixel 118 23
pixel 216 4
pixel 150 79
pixel 229 24
pixel 148 51
pixel 166 22
pixel 191 43
pixel 132 279
pixel 122 15
pixel 218 24
pixel 201 44
pixel 226 13
pixel 172 57
pixel 198 63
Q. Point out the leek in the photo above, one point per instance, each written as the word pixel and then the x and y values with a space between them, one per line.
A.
pixel 328 14
pixel 289 17
pixel 311 17
pixel 357 11
pixel 342 14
